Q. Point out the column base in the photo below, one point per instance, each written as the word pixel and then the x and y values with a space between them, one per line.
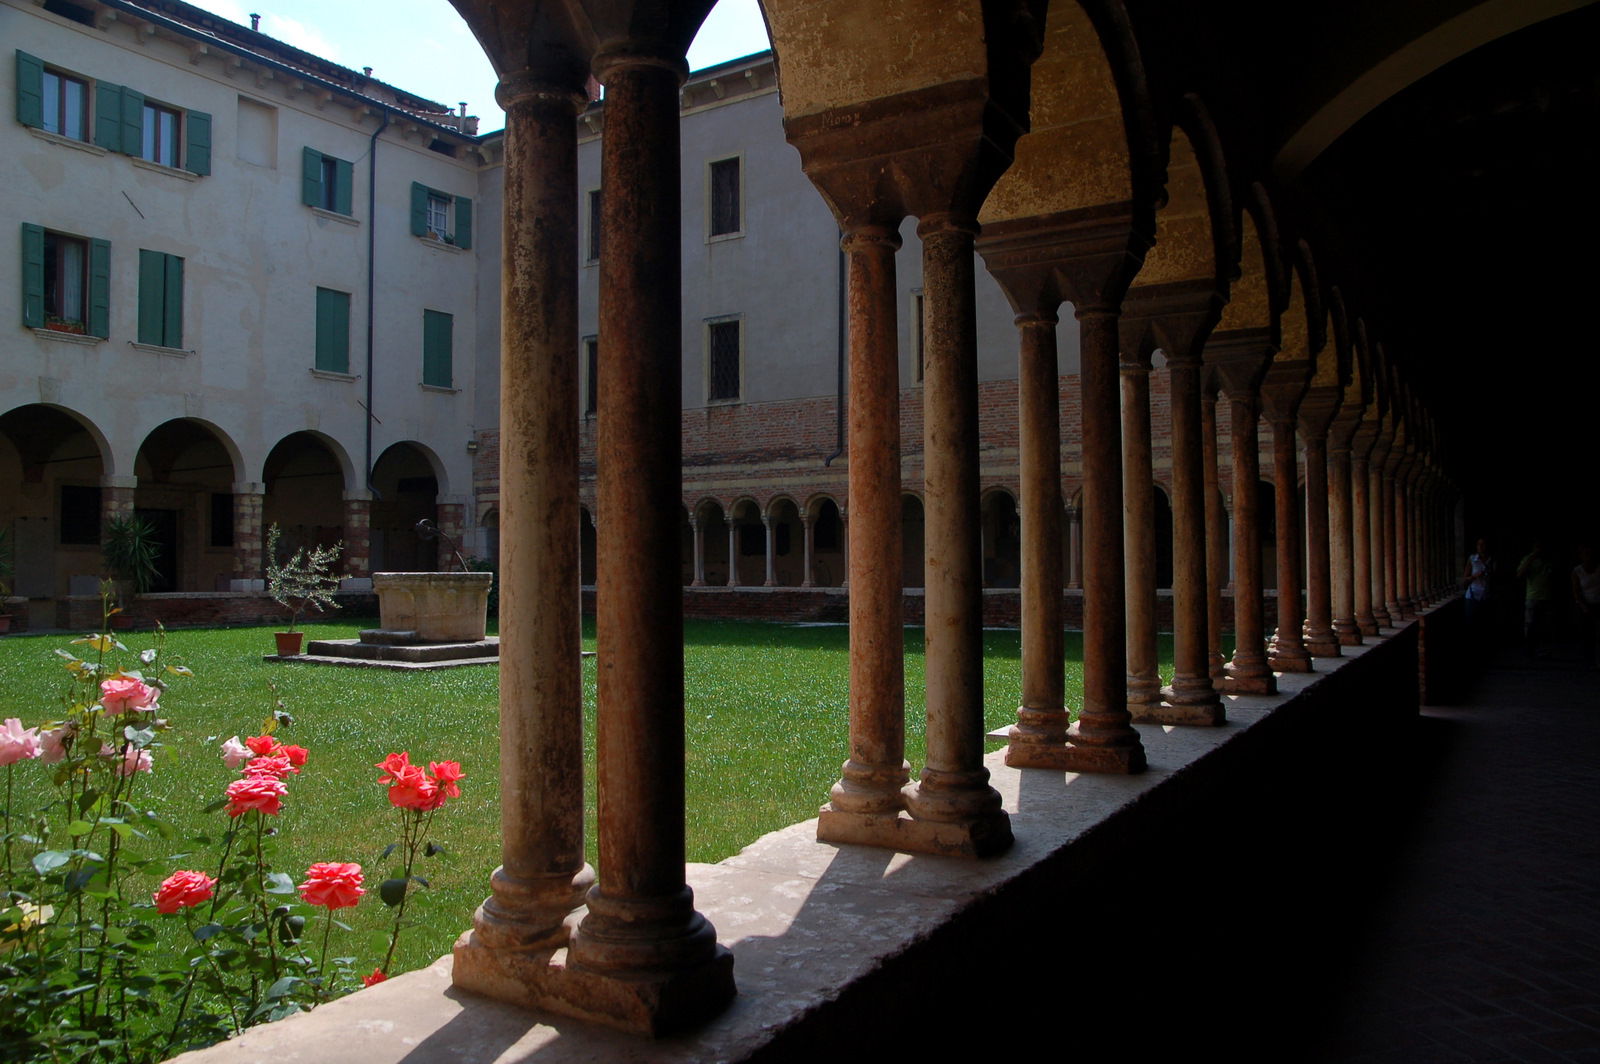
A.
pixel 1040 726
pixel 1143 691
pixel 1192 714
pixel 982 836
pixel 646 1003
pixel 1249 680
pixel 1290 657
pixel 1076 757
pixel 1348 632
pixel 1322 643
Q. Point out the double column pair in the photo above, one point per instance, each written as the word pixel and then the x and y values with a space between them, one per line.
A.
pixel 640 957
pixel 951 808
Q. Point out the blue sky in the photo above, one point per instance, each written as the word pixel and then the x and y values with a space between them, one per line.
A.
pixel 445 63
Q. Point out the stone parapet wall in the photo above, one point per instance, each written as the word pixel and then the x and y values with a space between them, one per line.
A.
pixel 81 613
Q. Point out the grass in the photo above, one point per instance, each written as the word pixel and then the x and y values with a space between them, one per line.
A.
pixel 766 728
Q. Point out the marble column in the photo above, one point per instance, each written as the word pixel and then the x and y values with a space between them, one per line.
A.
pixel 864 806
pixel 1287 652
pixel 1361 526
pixel 697 533
pixel 1042 717
pixel 807 548
pixel 1403 556
pixel 1138 536
pixel 1216 534
pixel 1390 496
pixel 1320 639
pixel 733 550
pixel 542 877
pixel 952 798
pixel 1377 507
pixel 641 935
pixel 1248 673
pixel 769 537
pixel 1342 540
pixel 1074 547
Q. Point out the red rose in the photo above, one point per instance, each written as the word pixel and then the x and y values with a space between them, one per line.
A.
pixel 182 890
pixel 297 756
pixel 268 767
pixel 256 792
pixel 445 774
pixel 262 745
pixel 374 979
pixel 333 885
pixel 392 766
pixel 412 789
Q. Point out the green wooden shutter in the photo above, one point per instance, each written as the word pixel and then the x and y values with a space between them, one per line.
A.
pixel 172 305
pixel 436 339
pixel 99 288
pixel 132 123
pixel 311 177
pixel 463 232
pixel 152 285
pixel 419 209
pixel 30 90
pixel 343 185
pixel 333 331
pixel 197 145
pixel 32 275
pixel 108 115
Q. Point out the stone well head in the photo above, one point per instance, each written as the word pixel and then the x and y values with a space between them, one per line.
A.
pixel 438 607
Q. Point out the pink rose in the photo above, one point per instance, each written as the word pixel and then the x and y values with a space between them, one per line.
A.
pixel 259 792
pixel 182 890
pixel 234 753
pixel 122 694
pixel 269 767
pixel 18 743
pixel 53 743
pixel 135 760
pixel 332 884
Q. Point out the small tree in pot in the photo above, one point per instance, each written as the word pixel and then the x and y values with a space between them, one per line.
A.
pixel 130 551
pixel 305 580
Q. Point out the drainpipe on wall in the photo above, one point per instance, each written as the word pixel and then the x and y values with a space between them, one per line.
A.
pixel 372 237
pixel 843 344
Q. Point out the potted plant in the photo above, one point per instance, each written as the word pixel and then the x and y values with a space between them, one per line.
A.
pixel 130 551
pixel 304 580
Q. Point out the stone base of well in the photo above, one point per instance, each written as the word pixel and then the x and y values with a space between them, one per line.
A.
pixel 437 607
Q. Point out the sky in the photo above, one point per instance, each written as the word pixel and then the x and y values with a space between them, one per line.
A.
pixel 445 65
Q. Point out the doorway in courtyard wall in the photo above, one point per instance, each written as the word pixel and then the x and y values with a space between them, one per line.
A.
pixel 911 536
pixel 305 484
pixel 749 544
pixel 713 542
pixel 405 490
pixel 186 470
pixel 788 543
pixel 827 544
pixel 50 501
pixel 1002 540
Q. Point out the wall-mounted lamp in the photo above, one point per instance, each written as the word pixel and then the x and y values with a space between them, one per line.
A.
pixel 472 446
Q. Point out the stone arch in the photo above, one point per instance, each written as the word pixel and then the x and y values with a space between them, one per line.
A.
pixel 912 538
pixel 186 470
pixel 714 541
pixel 53 464
pixel 1256 295
pixel 587 554
pixel 305 477
pixel 787 540
pixel 1002 539
pixel 407 482
pixel 749 561
pixel 827 541
pixel 490 523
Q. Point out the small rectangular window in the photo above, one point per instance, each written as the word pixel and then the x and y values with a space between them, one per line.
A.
pixel 594 225
pixel 66 282
pixel 333 331
pixel 325 182
pixel 80 515
pixel 725 214
pixel 591 363
pixel 160 143
pixel 723 359
pixel 438 215
pixel 66 105
pixel 66 278
pixel 437 342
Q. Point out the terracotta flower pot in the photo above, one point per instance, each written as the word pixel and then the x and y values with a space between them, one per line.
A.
pixel 288 643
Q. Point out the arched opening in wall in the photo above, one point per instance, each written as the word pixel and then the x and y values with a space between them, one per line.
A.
pixel 685 547
pixel 586 548
pixel 1267 518
pixel 911 538
pixel 185 494
pixel 827 544
pixel 1002 540
pixel 50 501
pixel 1163 521
pixel 749 544
pixel 491 538
pixel 714 543
pixel 405 489
pixel 304 482
pixel 788 544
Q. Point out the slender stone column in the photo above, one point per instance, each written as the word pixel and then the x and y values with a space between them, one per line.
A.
pixel 1042 717
pixel 769 537
pixel 1342 545
pixel 1320 639
pixel 542 876
pixel 698 534
pixel 1287 652
pixel 806 550
pixel 1216 535
pixel 1390 496
pixel 1403 556
pixel 1248 672
pixel 864 804
pixel 1192 698
pixel 1377 507
pixel 249 499
pixel 1361 534
pixel 953 794
pixel 642 938
pixel 1139 536
pixel 1074 547
pixel 733 551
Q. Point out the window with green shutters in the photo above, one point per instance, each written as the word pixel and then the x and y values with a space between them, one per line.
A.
pixel 66 282
pixel 160 299
pixel 325 182
pixel 440 216
pixel 119 119
pixel 333 331
pixel 437 327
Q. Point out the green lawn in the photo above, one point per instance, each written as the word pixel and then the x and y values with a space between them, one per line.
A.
pixel 766 732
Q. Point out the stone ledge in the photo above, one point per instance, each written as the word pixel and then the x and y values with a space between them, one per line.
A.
pixel 822 936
